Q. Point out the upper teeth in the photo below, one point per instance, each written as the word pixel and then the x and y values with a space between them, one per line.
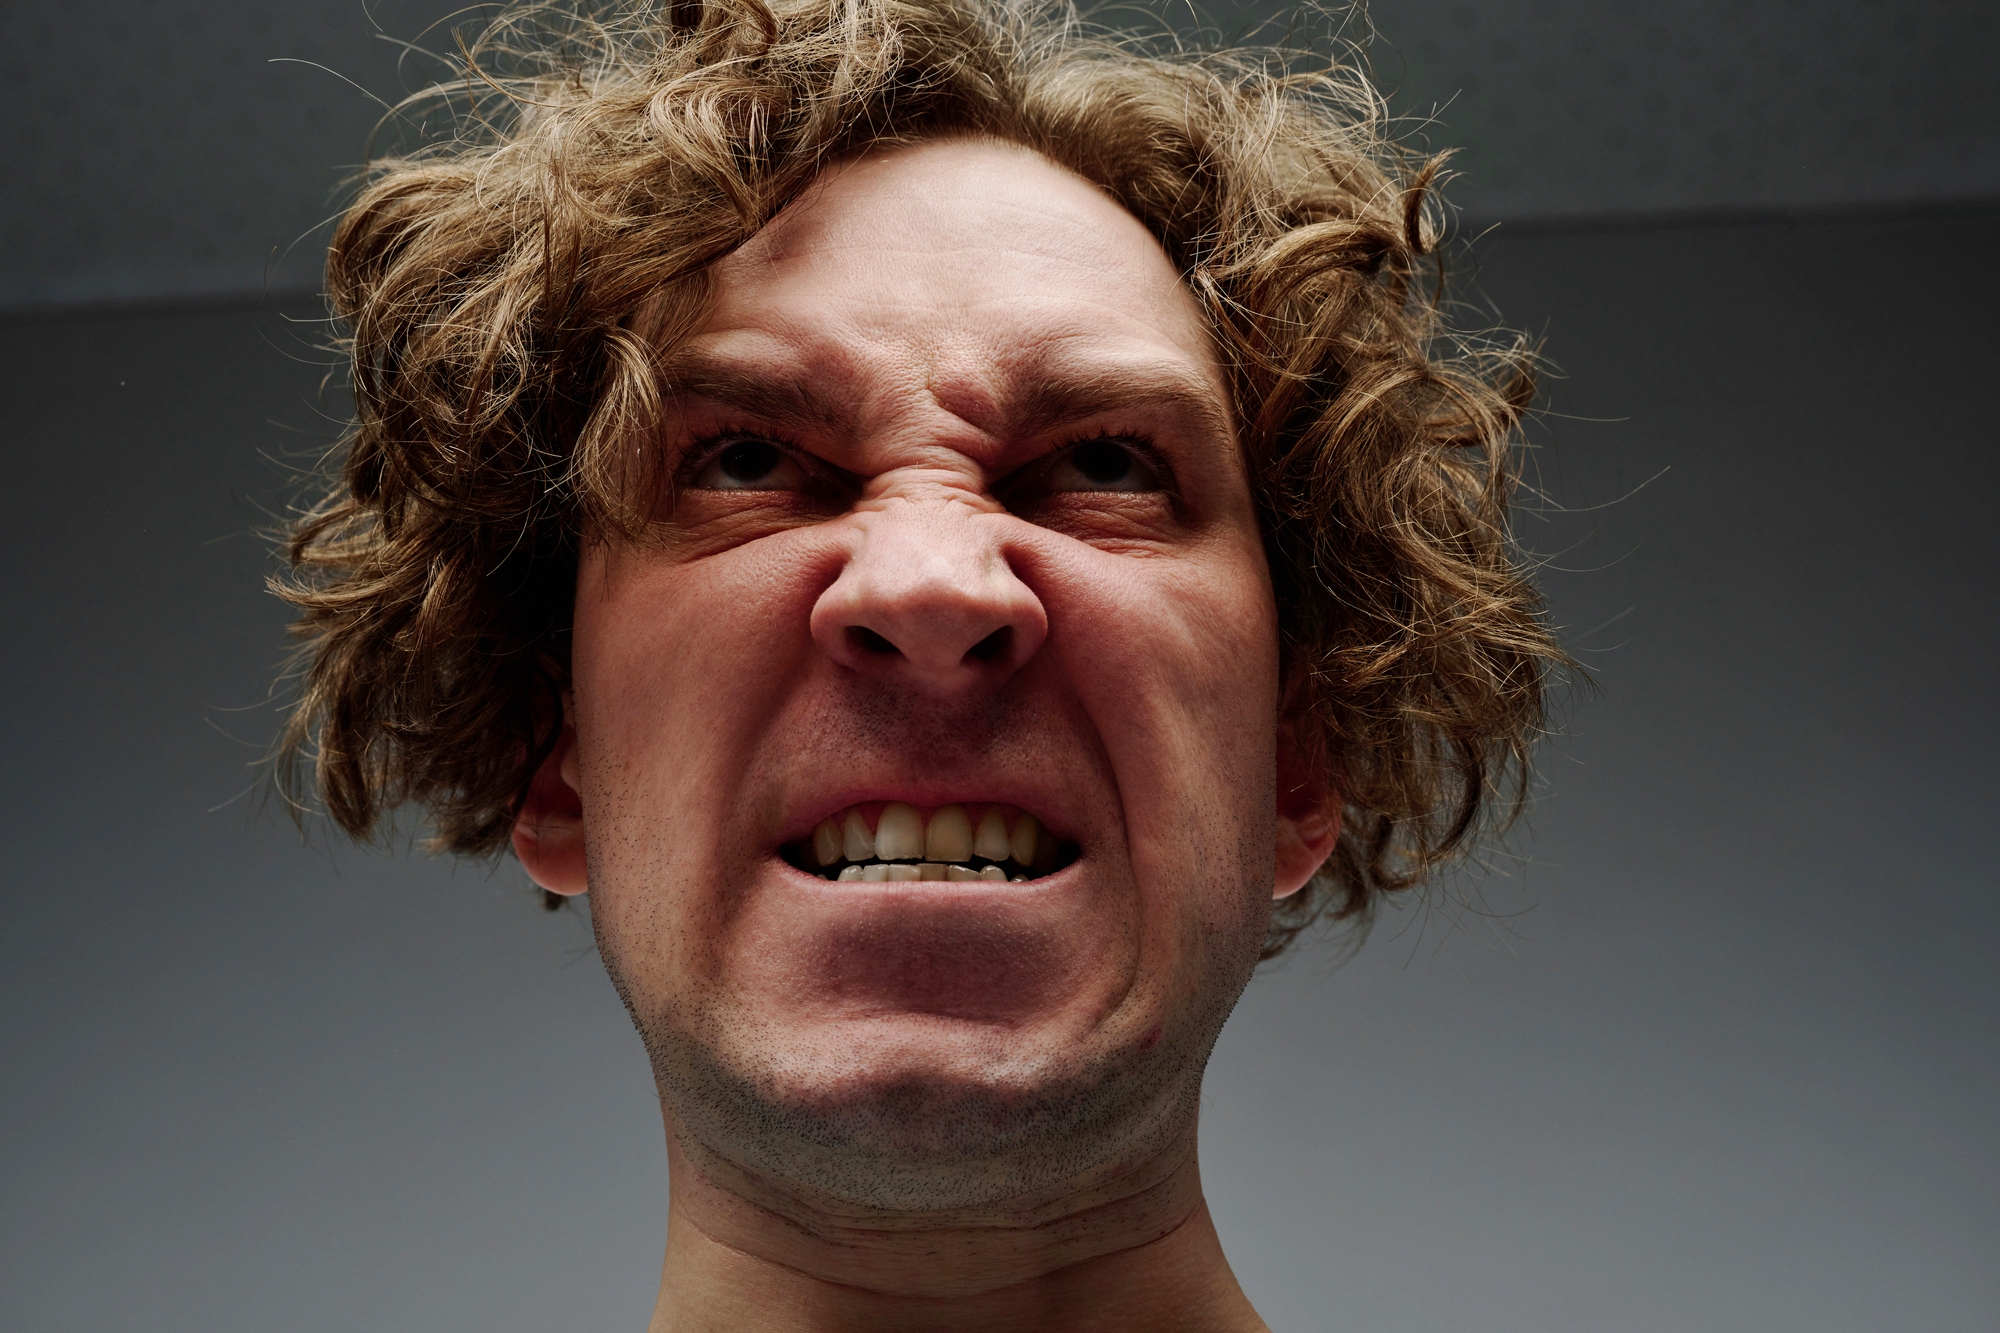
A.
pixel 943 847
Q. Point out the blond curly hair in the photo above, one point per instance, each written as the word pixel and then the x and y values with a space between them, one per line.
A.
pixel 488 283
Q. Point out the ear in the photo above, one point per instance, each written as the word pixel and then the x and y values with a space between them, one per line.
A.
pixel 548 828
pixel 1308 811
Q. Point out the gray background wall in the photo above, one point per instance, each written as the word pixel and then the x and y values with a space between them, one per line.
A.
pixel 1713 1047
pixel 194 148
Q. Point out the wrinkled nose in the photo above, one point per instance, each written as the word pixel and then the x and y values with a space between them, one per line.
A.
pixel 930 598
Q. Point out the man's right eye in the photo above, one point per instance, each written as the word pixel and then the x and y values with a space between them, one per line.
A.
pixel 750 465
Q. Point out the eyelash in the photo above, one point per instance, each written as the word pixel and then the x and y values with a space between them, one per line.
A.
pixel 705 447
pixel 1144 454
pixel 1138 444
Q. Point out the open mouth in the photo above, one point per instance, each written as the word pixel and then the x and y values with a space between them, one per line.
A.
pixel 955 842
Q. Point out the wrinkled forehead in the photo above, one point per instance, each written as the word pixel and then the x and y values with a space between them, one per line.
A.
pixel 954 261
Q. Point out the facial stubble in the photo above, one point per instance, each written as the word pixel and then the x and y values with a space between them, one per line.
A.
pixel 1027 1118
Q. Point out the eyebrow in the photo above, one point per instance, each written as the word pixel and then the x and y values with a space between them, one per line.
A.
pixel 1051 397
pixel 781 399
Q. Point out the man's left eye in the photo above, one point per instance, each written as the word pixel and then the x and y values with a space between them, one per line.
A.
pixel 750 465
pixel 1101 465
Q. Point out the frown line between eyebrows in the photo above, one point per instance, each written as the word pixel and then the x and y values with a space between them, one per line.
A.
pixel 1049 397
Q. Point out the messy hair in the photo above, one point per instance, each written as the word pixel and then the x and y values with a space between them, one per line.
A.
pixel 508 289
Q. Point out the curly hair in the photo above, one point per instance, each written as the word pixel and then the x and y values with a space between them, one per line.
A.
pixel 507 292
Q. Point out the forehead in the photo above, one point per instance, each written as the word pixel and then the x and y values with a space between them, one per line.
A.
pixel 968 268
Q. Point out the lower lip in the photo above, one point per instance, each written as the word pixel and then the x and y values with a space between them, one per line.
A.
pixel 973 950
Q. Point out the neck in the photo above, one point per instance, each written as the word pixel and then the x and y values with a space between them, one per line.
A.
pixel 1133 1250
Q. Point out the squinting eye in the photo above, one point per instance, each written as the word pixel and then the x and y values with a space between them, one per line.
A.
pixel 750 465
pixel 1101 465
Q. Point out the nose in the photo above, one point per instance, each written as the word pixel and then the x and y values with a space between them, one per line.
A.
pixel 929 597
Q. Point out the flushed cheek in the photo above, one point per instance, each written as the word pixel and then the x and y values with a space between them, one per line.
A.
pixel 676 671
pixel 1177 667
pixel 677 665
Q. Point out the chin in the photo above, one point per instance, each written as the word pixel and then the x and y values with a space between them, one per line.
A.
pixel 911 1112
pixel 925 1044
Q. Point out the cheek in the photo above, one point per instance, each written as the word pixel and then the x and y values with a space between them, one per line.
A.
pixel 668 656
pixel 674 670
pixel 1175 662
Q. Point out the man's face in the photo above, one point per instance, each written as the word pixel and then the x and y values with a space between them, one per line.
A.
pixel 960 525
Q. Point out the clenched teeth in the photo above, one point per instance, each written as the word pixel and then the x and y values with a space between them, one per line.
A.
pixel 878 871
pixel 1004 844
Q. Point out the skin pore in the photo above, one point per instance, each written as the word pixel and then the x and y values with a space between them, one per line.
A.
pixel 960 532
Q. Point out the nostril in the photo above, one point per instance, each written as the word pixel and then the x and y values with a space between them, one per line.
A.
pixel 994 646
pixel 868 641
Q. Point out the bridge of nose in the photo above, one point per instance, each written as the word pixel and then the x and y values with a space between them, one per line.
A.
pixel 929 582
pixel 933 469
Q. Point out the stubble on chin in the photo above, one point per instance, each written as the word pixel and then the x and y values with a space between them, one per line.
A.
pixel 825 1128
pixel 830 1122
pixel 915 1141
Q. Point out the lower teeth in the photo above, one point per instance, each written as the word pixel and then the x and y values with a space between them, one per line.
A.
pixel 876 872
